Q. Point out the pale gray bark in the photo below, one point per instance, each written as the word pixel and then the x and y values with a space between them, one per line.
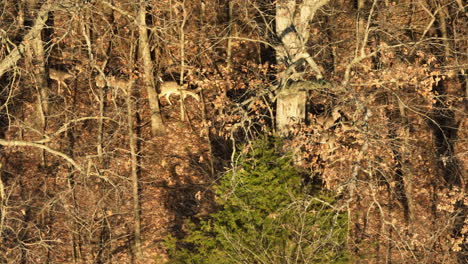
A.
pixel 292 20
pixel 230 31
pixel 38 68
pixel 21 143
pixel 157 126
pixel 182 58
pixel 85 30
pixel 290 108
pixel 134 172
pixel 16 54
pixel 3 204
pixel 442 17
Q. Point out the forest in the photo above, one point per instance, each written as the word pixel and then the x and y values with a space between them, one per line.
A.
pixel 233 131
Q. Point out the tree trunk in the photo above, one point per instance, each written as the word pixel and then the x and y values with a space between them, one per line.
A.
pixel 292 28
pixel 290 109
pixel 39 69
pixel 134 173
pixel 182 59
pixel 292 22
pixel 36 29
pixel 157 126
pixel 3 204
pixel 229 33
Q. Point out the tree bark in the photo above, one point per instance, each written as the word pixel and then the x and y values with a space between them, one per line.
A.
pixel 182 58
pixel 38 64
pixel 290 109
pixel 18 51
pixel 292 28
pixel 229 33
pixel 3 204
pixel 292 22
pixel 21 143
pixel 134 173
pixel 157 126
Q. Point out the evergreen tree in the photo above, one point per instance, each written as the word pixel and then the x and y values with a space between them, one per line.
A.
pixel 265 217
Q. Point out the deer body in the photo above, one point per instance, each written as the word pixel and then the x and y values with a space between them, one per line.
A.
pixel 60 77
pixel 114 82
pixel 170 88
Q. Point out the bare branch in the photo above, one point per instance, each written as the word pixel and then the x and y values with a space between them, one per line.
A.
pixel 21 143
pixel 18 51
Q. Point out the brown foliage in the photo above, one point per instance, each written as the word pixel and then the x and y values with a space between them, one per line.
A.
pixel 389 136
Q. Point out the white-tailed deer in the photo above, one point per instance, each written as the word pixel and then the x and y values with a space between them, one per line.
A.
pixel 60 77
pixel 169 88
pixel 115 82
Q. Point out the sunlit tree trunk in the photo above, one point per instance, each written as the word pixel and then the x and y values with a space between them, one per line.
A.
pixel 292 20
pixel 182 57
pixel 229 33
pixel 9 61
pixel 157 126
pixel 39 69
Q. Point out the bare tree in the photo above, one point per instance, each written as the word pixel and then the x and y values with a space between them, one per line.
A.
pixel 134 167
pixel 292 28
pixel 39 23
pixel 157 126
pixel 39 68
